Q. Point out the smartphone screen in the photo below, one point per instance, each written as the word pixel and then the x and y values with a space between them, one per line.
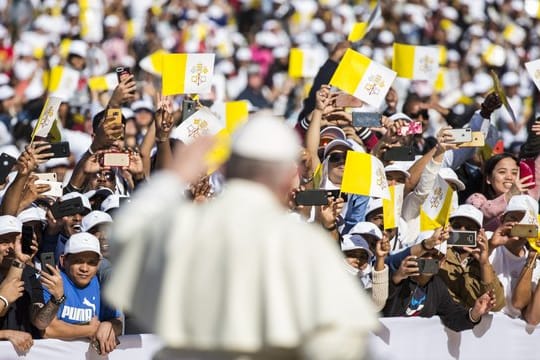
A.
pixel 401 153
pixel 462 238
pixel 26 239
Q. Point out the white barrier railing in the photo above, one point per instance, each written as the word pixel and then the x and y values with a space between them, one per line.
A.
pixel 496 337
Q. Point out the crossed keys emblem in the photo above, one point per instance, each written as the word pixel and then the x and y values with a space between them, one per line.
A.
pixel 48 116
pixel 435 201
pixel 380 178
pixel 375 84
pixel 426 64
pixel 198 128
pixel 199 73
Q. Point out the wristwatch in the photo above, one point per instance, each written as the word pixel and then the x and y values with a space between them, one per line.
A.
pixel 58 301
pixel 18 264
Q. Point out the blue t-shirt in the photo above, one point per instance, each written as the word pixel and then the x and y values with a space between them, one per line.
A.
pixel 81 304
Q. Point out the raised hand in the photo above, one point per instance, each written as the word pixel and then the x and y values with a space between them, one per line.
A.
pixel 483 305
pixel 21 341
pixel 522 184
pixel 323 98
pixel 408 267
pixel 12 289
pixel 490 104
pixel 201 191
pixel 52 282
pixel 164 120
pixel 124 91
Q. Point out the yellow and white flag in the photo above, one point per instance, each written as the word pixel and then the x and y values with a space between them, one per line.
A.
pixel 303 63
pixel 63 82
pixel 104 82
pixel 533 68
pixel 416 62
pixel 363 78
pixel 364 175
pixel 514 34
pixel 187 73
pixel 532 8
pixel 392 207
pixel 494 55
pixel 48 116
pixel 358 31
pixel 202 122
pixel 231 113
pixel 435 210
pixel 153 63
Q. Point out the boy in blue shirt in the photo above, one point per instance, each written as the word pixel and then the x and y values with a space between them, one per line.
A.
pixel 81 314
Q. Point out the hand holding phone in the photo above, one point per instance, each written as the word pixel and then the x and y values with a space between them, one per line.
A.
pixel 460 135
pixel 462 238
pixel 47 258
pixel 26 239
pixel 525 169
pixel 114 159
pixel 366 119
pixel 524 231
pixel 428 266
pixel 59 150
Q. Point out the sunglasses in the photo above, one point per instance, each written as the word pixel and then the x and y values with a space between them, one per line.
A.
pixel 458 224
pixel 337 157
pixel 107 176
pixel 423 113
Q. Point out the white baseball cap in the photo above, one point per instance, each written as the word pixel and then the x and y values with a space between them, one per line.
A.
pixel 79 48
pixel 510 79
pixel 373 204
pixel 521 203
pixel 111 202
pixel 73 195
pixel 9 224
pixel 33 213
pixel 335 143
pixel 398 167
pixel 366 227
pixel 450 175
pixel 469 212
pixel 142 105
pixel 82 242
pixel 6 92
pixel 95 218
pixel 400 116
pixel 266 138
pixel 353 242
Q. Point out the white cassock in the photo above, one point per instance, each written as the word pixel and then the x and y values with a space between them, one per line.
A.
pixel 235 275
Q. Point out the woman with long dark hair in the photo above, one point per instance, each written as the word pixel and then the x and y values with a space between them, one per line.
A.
pixel 501 182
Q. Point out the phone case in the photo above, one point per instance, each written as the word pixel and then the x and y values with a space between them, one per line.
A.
pixel 477 140
pixel 524 231
pixel 188 108
pixel 47 258
pixel 6 164
pixel 114 116
pixel 57 188
pixel 462 238
pixel 60 149
pixel 415 127
pixel 26 239
pixel 366 119
pixel 428 266
pixel 461 135
pixel 67 208
pixel 45 176
pixel 116 159
pixel 402 153
pixel 312 197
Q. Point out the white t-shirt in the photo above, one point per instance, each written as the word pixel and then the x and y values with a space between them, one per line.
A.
pixel 508 267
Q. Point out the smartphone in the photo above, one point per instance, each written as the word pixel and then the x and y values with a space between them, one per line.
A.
pixel 121 71
pixel 68 207
pixel 114 116
pixel 526 170
pixel 59 149
pixel 478 140
pixel 414 127
pixel 6 164
pixel 345 100
pixel 189 107
pixel 57 188
pixel 401 153
pixel 312 197
pixel 45 176
pixel 462 238
pixel 366 119
pixel 524 231
pixel 26 239
pixel 47 258
pixel 428 266
pixel 461 135
pixel 337 193
pixel 123 200
pixel 114 159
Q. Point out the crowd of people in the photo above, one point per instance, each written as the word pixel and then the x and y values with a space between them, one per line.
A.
pixel 54 249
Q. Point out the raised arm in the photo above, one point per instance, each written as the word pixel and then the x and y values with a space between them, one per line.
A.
pixel 522 295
